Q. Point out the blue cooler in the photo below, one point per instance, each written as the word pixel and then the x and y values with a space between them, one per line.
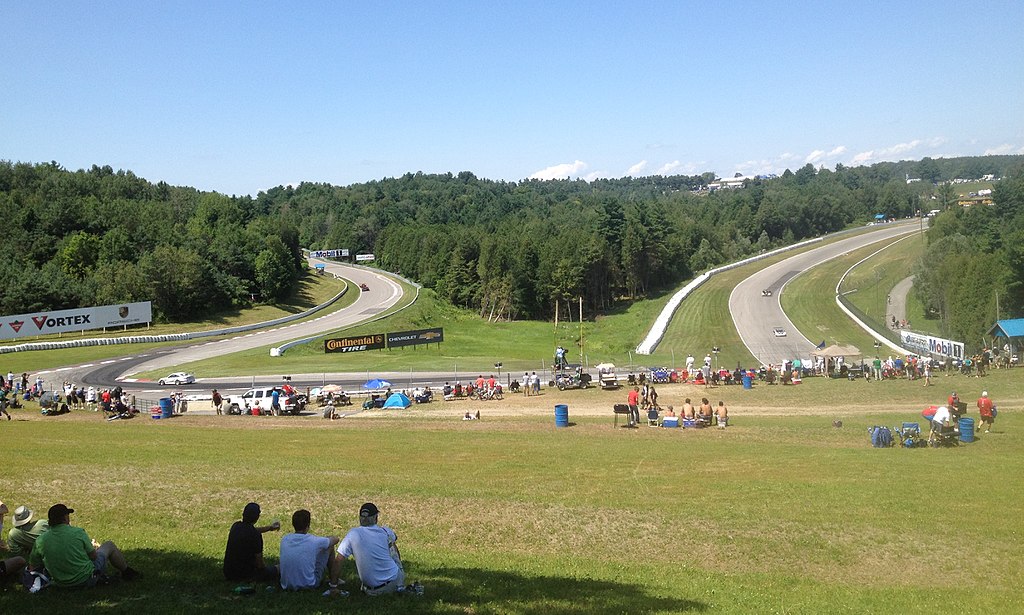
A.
pixel 671 421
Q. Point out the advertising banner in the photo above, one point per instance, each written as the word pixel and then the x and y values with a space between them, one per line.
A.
pixel 78 319
pixel 337 253
pixel 364 257
pixel 926 344
pixel 373 341
pixel 411 338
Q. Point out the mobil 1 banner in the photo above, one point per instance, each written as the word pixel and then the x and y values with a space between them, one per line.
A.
pixel 373 341
pixel 926 344
pixel 78 319
pixel 412 338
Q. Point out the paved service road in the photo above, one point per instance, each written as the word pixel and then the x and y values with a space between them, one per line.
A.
pixel 755 316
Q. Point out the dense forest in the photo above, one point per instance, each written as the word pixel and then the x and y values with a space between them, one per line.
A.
pixel 95 237
pixel 509 250
pixel 973 270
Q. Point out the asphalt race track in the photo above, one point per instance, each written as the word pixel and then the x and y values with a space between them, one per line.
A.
pixel 383 293
pixel 755 315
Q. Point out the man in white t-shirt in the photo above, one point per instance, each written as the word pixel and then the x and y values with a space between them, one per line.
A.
pixel 305 557
pixel 378 561
pixel 940 420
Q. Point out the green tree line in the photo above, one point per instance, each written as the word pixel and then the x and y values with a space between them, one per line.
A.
pixel 95 237
pixel 973 269
pixel 509 250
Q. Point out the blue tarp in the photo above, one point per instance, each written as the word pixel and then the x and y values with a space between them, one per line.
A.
pixel 397 400
pixel 879 216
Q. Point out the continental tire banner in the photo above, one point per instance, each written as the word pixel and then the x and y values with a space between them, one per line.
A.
pixel 79 319
pixel 373 341
pixel 411 338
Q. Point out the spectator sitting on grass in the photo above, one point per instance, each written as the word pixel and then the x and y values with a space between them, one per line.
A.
pixel 378 561
pixel 243 557
pixel 305 557
pixel 723 414
pixel 23 535
pixel 70 557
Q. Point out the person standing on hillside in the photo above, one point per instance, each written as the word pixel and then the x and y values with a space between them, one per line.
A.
pixel 633 401
pixel 987 411
pixel 218 402
pixel 876 368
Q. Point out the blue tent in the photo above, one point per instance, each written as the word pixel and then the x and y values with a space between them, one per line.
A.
pixel 397 400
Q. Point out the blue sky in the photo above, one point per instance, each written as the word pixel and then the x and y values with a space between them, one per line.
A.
pixel 240 97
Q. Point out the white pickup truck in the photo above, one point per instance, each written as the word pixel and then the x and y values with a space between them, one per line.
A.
pixel 262 398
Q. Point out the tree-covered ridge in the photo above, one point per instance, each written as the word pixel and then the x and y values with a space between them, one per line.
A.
pixel 506 249
pixel 94 237
pixel 973 270
pixel 514 249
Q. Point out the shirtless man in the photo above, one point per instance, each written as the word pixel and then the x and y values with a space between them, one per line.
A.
pixel 687 409
pixel 723 415
pixel 705 410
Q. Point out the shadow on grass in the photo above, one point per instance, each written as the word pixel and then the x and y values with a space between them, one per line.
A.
pixel 177 582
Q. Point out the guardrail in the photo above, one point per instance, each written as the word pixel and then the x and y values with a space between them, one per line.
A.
pixel 171 337
pixel 661 323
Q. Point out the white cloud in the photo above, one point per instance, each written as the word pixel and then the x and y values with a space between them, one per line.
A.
pixel 670 168
pixel 815 156
pixel 1004 149
pixel 864 157
pixel 560 171
pixel 593 175
pixel 838 151
pixel 637 169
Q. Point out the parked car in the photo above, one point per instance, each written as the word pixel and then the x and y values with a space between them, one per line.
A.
pixel 262 398
pixel 177 379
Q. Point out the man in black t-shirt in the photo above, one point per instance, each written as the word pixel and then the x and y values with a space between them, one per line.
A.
pixel 243 557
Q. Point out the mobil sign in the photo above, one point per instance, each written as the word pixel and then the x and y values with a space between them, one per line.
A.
pixel 926 344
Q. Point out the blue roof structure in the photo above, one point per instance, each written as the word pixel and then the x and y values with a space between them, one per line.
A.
pixel 1008 328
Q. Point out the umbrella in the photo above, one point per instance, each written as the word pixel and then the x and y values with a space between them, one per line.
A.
pixel 331 388
pixel 377 383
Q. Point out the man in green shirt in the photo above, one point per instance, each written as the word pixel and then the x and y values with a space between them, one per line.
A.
pixel 25 531
pixel 71 557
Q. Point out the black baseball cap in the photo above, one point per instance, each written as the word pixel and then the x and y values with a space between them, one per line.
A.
pixel 368 510
pixel 57 512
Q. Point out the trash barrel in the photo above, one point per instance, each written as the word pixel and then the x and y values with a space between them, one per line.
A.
pixel 966 424
pixel 166 407
pixel 748 382
pixel 561 415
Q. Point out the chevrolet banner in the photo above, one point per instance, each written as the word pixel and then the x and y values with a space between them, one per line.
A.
pixel 79 319
pixel 411 338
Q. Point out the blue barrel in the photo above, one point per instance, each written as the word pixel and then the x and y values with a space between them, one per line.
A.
pixel 561 415
pixel 748 382
pixel 166 407
pixel 966 429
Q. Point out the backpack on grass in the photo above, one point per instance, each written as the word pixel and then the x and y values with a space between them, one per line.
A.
pixel 881 437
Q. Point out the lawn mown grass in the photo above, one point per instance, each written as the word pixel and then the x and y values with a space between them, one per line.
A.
pixel 781 512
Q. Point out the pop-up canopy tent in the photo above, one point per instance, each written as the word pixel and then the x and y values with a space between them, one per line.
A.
pixel 397 400
pixel 835 350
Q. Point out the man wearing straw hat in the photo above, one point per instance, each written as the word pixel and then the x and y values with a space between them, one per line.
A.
pixel 25 531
